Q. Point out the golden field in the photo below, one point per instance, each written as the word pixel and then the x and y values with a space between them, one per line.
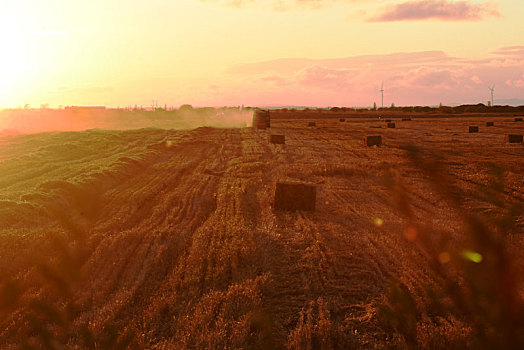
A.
pixel 164 238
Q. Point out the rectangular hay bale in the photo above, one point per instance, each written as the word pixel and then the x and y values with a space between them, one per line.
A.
pixel 473 129
pixel 406 119
pixel 312 124
pixel 261 119
pixel 391 125
pixel 513 138
pixel 290 196
pixel 388 120
pixel 342 119
pixel 278 139
pixel 518 119
pixel 375 140
pixel 490 124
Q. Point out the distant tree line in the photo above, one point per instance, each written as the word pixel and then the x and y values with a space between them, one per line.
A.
pixel 477 108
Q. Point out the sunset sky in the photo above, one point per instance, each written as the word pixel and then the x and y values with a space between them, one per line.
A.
pixel 259 52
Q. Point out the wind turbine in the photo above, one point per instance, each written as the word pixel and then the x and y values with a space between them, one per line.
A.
pixel 382 92
pixel 492 89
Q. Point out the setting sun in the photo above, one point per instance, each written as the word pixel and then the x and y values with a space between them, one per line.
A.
pixel 15 56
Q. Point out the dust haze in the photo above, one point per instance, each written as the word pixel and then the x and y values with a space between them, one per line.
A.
pixel 30 121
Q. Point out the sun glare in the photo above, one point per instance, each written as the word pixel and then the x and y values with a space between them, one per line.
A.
pixel 15 57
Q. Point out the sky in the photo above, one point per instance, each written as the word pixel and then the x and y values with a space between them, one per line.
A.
pixel 121 53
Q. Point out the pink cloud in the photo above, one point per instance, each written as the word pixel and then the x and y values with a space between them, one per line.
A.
pixel 476 79
pixel 431 77
pixel 437 9
pixel 519 83
pixel 275 79
pixel 510 51
pixel 327 78
pixel 290 65
pixel 426 78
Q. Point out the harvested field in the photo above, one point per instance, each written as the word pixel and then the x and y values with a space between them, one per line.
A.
pixel 182 248
pixel 292 196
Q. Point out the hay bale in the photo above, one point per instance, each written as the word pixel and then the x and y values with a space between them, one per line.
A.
pixel 387 120
pixel 312 124
pixel 391 125
pixel 518 119
pixel 277 139
pixel 375 140
pixel 291 196
pixel 490 124
pixel 473 129
pixel 261 119
pixel 406 119
pixel 342 119
pixel 513 138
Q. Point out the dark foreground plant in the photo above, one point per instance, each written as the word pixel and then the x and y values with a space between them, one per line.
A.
pixel 49 308
pixel 477 290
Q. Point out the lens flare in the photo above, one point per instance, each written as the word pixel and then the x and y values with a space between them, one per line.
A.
pixel 472 256
pixel 411 233
pixel 378 222
pixel 444 258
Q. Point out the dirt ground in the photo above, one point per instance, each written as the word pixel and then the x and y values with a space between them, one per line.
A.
pixel 184 249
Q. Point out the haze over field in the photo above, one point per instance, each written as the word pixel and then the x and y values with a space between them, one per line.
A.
pixel 78 119
pixel 225 52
